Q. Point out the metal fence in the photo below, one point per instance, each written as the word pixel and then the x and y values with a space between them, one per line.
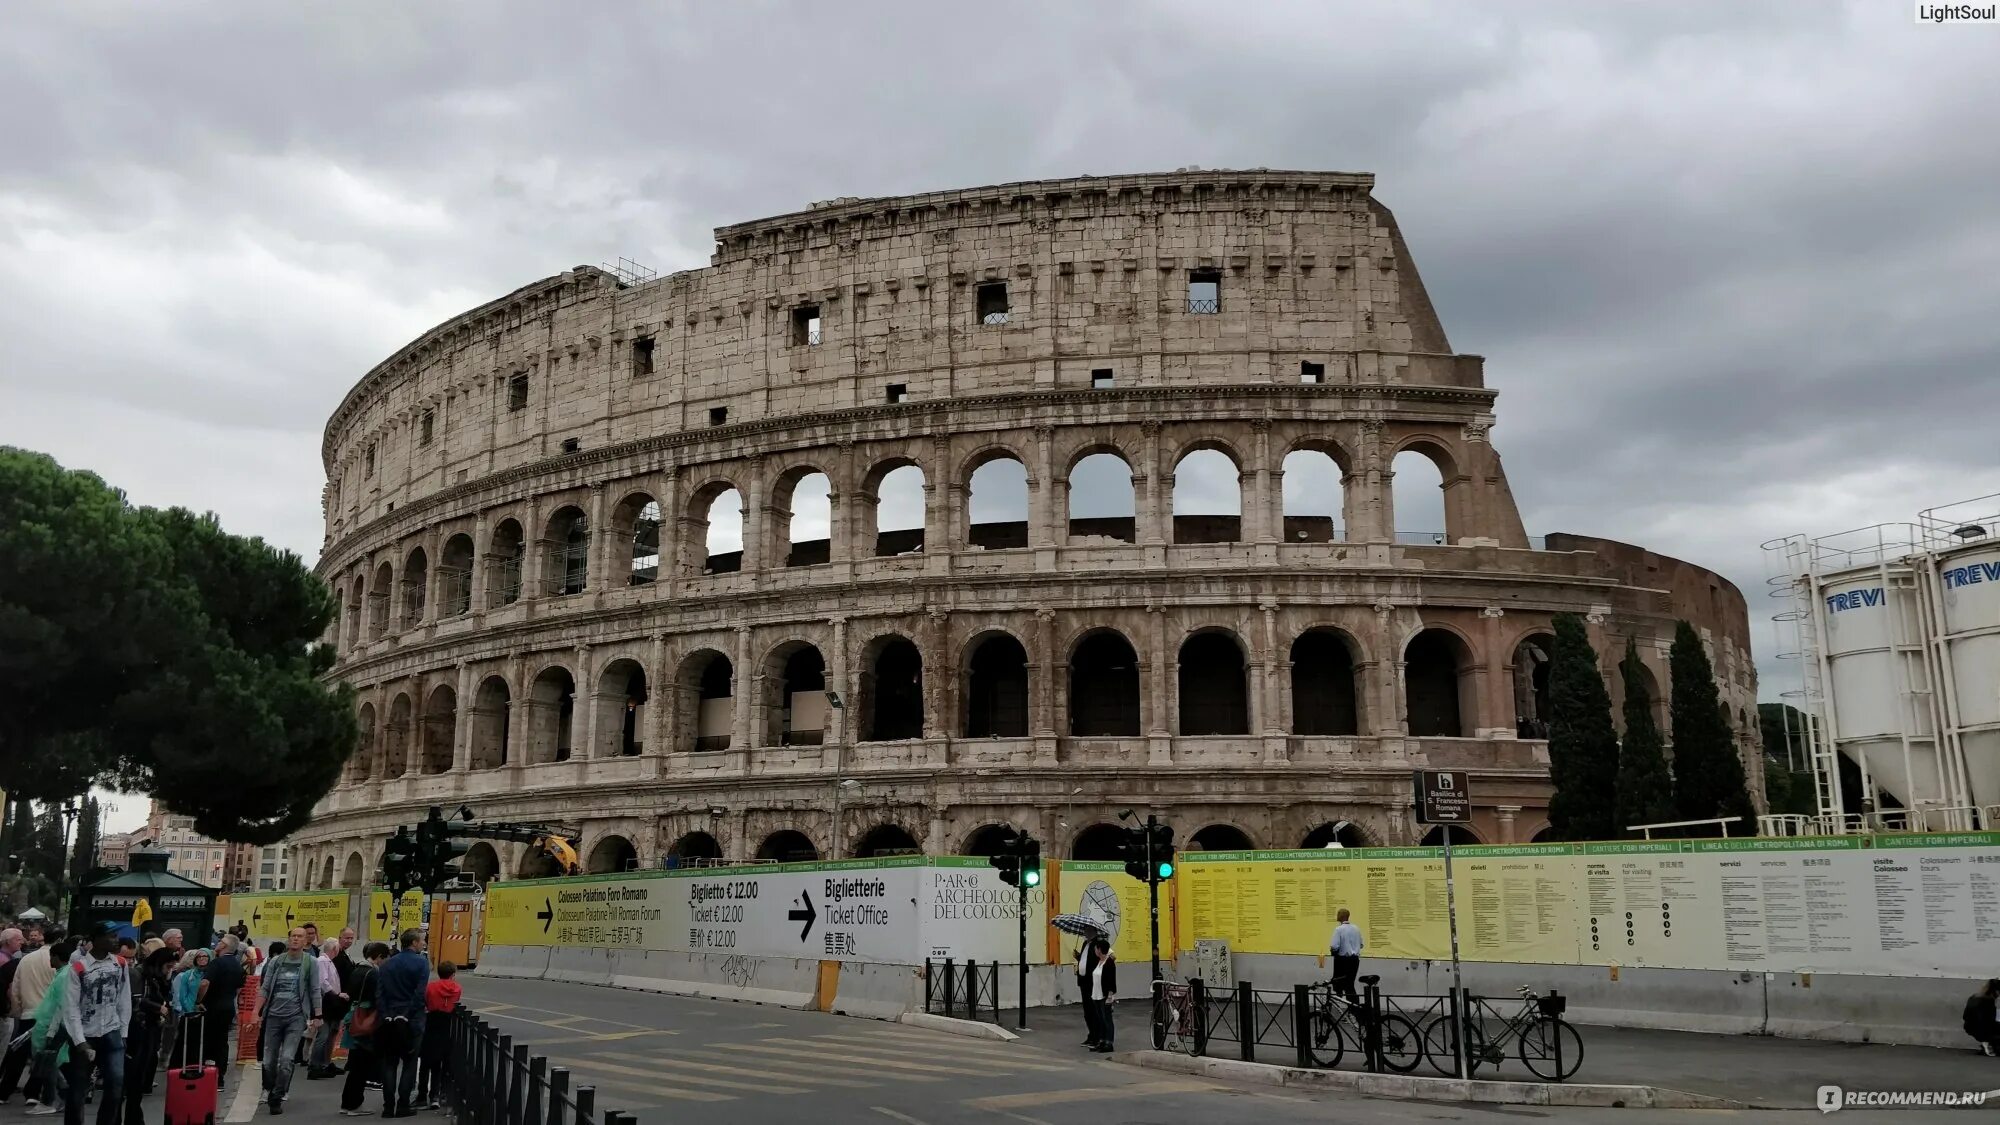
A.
pixel 962 989
pixel 492 1080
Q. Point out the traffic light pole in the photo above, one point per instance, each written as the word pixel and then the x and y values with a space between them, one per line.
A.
pixel 1153 896
pixel 1022 1018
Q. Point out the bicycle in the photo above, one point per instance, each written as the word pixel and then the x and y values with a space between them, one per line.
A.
pixel 1176 1024
pixel 1337 1020
pixel 1549 1046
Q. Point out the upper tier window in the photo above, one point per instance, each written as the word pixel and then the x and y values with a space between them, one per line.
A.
pixel 993 303
pixel 1204 291
pixel 642 356
pixel 805 326
pixel 517 392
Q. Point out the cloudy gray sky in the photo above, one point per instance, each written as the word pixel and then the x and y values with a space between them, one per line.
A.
pixel 1733 265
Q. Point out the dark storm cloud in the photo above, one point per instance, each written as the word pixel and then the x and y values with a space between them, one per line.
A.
pixel 1732 264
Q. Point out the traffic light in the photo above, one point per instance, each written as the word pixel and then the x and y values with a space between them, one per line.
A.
pixel 437 852
pixel 1163 852
pixel 1008 863
pixel 399 862
pixel 1154 865
pixel 1019 859
pixel 1031 861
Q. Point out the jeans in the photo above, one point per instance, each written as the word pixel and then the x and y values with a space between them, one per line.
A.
pixel 360 1068
pixel 1345 966
pixel 281 1049
pixel 17 1060
pixel 216 1024
pixel 332 1008
pixel 110 1064
pixel 396 1044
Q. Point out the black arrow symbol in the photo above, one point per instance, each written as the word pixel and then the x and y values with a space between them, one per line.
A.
pixel 288 919
pixel 547 914
pixel 806 915
pixel 382 916
pixel 257 914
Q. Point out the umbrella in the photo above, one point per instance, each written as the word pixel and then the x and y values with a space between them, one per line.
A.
pixel 1096 915
pixel 1078 924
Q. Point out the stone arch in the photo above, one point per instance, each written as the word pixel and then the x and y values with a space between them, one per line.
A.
pixel 361 765
pixel 1418 463
pixel 1098 842
pixel 455 576
pixel 357 598
pixel 492 716
pixel 396 738
pixel 1660 702
pixel 697 845
pixel 380 594
pixel 801 516
pixel 326 874
pixel 481 863
pixel 994 686
pixel 795 704
pixel 1460 834
pixel 1531 684
pixel 611 854
pixel 506 559
pixel 415 588
pixel 440 730
pixel 1438 696
pixel 706 680
pixel 1103 503
pixel 567 566
pixel 1104 695
pixel 895 492
pixel 1546 834
pixel 1214 682
pixel 1207 488
pixel 886 839
pixel 892 690
pixel 536 864
pixel 996 500
pixel 354 872
pixel 635 532
pixel 1327 688
pixel 1220 837
pixel 788 845
pixel 551 716
pixel 621 704
pixel 987 839
pixel 712 530
pixel 1313 493
pixel 1346 833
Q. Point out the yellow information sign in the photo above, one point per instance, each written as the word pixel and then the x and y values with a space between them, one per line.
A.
pixel 1102 889
pixel 382 919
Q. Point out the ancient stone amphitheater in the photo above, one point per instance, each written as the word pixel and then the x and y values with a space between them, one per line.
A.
pixel 883 530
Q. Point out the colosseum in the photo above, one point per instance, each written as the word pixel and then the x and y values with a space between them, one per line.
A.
pixel 909 518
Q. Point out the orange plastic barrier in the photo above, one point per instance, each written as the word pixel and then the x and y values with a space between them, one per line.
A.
pixel 247 1028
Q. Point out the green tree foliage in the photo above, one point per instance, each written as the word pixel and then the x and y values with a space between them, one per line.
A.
pixel 151 651
pixel 1645 787
pixel 83 851
pixel 1708 776
pixel 1583 745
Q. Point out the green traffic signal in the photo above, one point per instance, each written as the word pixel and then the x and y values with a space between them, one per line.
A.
pixel 1166 870
pixel 1032 877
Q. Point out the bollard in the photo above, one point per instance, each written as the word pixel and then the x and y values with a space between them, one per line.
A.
pixel 927 984
pixel 518 1087
pixel 971 989
pixel 950 987
pixel 1371 1027
pixel 505 1083
pixel 586 1104
pixel 538 1069
pixel 1198 1002
pixel 1555 1031
pixel 1246 1020
pixel 558 1096
pixel 1302 1022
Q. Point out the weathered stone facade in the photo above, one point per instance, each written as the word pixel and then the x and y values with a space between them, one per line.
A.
pixel 496 491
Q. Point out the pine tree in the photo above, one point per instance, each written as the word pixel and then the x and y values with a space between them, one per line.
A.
pixel 83 852
pixel 1645 787
pixel 1708 774
pixel 1583 745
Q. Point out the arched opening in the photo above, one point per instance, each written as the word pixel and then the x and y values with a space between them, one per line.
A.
pixel 1315 500
pixel 361 765
pixel 1221 838
pixel 1325 684
pixel 355 613
pixel 636 523
pixel 325 875
pixel 787 846
pixel 1208 498
pixel 1531 685
pixel 1104 687
pixel 621 710
pixel 1460 834
pixel 1214 685
pixel 892 691
pixel 504 565
pixel 1659 699
pixel 1099 842
pixel 708 689
pixel 440 733
pixel 396 739
pixel 481 863
pixel 1546 834
pixel 537 864
pixel 988 840
pixel 378 602
pixel 996 509
pixel 1342 832
pixel 1417 497
pixel 795 702
pixel 801 517
pixel 568 538
pixel 1101 504
pixel 898 497
pixel 715 520
pixel 416 587
pixel 552 716
pixel 356 871
pixel 884 840
pixel 492 710
pixel 696 845
pixel 996 689
pixel 1437 685
pixel 455 577
pixel 611 854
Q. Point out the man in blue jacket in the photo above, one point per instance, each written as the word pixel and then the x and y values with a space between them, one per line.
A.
pixel 399 1004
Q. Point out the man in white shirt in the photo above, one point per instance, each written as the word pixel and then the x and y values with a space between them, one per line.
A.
pixel 1346 950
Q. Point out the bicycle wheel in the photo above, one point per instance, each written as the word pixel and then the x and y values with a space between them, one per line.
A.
pixel 1547 1040
pixel 1180 1029
pixel 1402 1044
pixel 1328 1044
pixel 1437 1046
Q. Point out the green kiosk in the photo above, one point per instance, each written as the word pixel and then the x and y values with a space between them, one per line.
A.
pixel 176 903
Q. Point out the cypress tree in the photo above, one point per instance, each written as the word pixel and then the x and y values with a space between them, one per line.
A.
pixel 1645 787
pixel 1708 774
pixel 1583 745
pixel 83 850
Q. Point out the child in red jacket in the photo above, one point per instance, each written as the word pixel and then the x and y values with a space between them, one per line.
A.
pixel 441 999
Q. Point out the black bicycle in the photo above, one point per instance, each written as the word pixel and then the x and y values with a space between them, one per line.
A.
pixel 1548 1045
pixel 1338 1023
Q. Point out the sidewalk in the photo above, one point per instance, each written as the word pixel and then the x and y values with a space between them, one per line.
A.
pixel 1754 1070
pixel 311 1103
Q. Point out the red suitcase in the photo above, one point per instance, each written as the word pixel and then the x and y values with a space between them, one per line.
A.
pixel 191 1088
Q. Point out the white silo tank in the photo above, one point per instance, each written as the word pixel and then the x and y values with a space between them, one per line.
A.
pixel 1968 586
pixel 1878 687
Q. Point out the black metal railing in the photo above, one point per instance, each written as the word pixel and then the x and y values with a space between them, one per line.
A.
pixel 492 1080
pixel 962 989
pixel 1204 305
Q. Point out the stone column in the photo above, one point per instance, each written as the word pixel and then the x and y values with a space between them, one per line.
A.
pixel 433 565
pixel 461 749
pixel 1371 487
pixel 938 667
pixel 476 581
pixel 1503 816
pixel 535 563
pixel 1496 702
pixel 659 695
pixel 1274 726
pixel 597 560
pixel 844 511
pixel 1264 519
pixel 1386 708
pixel 1155 523
pixel 940 526
pixel 753 518
pixel 1159 676
pixel 744 695
pixel 837 679
pixel 1043 491
pixel 1042 686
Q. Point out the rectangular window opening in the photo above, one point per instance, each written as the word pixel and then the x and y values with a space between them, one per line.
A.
pixel 993 303
pixel 1101 377
pixel 517 391
pixel 1204 291
pixel 805 326
pixel 718 415
pixel 371 459
pixel 898 392
pixel 571 445
pixel 1310 372
pixel 426 428
pixel 642 356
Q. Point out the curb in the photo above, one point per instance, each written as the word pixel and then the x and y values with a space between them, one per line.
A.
pixel 968 1028
pixel 1418 1088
